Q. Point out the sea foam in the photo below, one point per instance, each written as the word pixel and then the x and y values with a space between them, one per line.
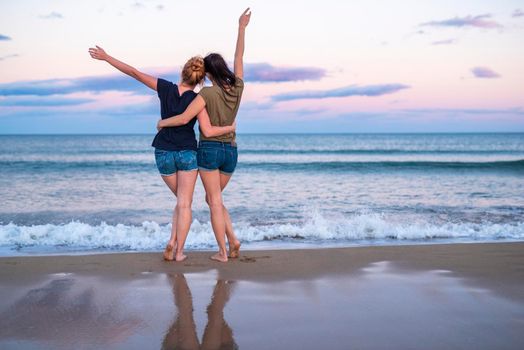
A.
pixel 363 228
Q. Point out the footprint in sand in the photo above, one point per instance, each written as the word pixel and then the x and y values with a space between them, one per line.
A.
pixel 247 259
pixel 252 259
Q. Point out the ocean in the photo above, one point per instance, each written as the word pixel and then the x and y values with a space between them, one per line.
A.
pixel 69 194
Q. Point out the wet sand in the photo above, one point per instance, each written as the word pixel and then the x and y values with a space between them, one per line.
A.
pixel 465 296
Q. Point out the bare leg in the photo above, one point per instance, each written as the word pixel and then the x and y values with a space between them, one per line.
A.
pixel 186 186
pixel 169 252
pixel 211 181
pixel 234 243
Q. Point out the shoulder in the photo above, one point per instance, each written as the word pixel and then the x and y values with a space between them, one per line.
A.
pixel 239 86
pixel 208 91
pixel 189 94
pixel 239 82
pixel 164 87
pixel 164 83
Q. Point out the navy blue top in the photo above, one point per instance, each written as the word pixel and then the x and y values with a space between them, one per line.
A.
pixel 175 138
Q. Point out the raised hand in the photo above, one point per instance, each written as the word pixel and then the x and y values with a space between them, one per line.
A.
pixel 98 53
pixel 243 21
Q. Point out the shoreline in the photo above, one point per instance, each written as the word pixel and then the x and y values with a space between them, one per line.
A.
pixel 255 246
pixel 498 265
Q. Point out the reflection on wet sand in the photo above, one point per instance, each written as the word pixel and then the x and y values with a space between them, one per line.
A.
pixel 65 313
pixel 434 297
pixel 182 333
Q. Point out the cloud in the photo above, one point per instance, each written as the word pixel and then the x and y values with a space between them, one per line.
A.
pixel 444 42
pixel 258 72
pixel 353 90
pixel 517 13
pixel 45 101
pixel 52 15
pixel 481 21
pixel 474 111
pixel 67 86
pixel 160 7
pixel 138 5
pixel 4 37
pixel 2 58
pixel 484 72
pixel 265 72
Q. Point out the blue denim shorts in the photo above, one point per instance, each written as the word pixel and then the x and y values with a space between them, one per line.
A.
pixel 213 155
pixel 169 162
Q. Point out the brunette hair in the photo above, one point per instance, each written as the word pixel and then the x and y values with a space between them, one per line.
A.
pixel 217 67
pixel 193 72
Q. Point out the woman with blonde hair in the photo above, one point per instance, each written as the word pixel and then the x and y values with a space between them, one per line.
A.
pixel 175 147
pixel 217 155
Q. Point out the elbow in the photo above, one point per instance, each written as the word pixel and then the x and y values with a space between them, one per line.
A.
pixel 134 74
pixel 206 133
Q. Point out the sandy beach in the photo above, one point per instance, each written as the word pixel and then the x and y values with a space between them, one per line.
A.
pixel 467 296
pixel 369 160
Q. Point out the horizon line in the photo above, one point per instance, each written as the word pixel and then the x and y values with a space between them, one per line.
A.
pixel 277 133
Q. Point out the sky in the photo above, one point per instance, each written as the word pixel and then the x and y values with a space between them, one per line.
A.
pixel 326 66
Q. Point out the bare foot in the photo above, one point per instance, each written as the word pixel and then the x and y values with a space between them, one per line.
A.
pixel 169 252
pixel 219 257
pixel 234 250
pixel 180 257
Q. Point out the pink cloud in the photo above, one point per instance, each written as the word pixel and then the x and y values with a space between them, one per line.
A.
pixel 517 13
pixel 480 21
pixel 484 72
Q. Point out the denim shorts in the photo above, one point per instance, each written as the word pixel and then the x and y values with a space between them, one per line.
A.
pixel 169 162
pixel 213 155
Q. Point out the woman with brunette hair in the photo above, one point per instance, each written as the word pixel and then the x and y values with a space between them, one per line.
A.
pixel 175 147
pixel 217 155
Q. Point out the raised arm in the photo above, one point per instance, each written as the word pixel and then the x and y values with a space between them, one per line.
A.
pixel 98 53
pixel 209 130
pixel 197 105
pixel 243 21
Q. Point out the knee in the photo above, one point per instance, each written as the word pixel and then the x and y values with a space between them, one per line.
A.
pixel 214 201
pixel 183 204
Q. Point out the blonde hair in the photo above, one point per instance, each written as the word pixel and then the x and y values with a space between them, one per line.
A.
pixel 193 72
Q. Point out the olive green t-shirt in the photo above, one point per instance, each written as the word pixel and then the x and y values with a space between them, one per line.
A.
pixel 222 107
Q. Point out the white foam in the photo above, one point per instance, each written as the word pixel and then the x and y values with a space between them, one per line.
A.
pixel 372 226
pixel 151 235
